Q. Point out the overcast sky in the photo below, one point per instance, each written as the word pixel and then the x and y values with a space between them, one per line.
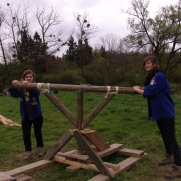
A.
pixel 106 15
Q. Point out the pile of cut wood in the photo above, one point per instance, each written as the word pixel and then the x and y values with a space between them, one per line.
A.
pixel 8 122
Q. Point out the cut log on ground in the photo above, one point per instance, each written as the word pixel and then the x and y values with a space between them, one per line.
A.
pixel 8 122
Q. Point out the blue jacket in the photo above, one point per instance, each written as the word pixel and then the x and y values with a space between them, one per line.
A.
pixel 34 108
pixel 160 102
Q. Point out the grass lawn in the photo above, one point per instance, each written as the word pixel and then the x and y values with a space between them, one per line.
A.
pixel 124 121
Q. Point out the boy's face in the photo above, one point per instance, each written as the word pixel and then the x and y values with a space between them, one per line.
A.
pixel 29 77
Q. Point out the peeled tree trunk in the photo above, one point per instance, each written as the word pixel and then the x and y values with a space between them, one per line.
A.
pixel 84 88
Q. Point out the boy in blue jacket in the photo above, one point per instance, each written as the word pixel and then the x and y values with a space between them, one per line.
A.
pixel 31 113
pixel 161 109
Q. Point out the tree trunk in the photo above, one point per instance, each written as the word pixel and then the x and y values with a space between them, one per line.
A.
pixel 5 61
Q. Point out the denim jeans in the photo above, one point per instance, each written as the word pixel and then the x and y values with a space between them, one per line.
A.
pixel 167 130
pixel 26 128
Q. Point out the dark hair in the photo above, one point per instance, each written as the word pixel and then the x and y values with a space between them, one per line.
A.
pixel 151 74
pixel 153 60
pixel 28 72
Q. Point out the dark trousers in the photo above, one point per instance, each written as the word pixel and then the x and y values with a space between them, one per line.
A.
pixel 26 128
pixel 167 130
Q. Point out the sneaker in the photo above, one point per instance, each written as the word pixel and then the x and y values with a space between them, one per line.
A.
pixel 168 159
pixel 28 155
pixel 175 173
pixel 40 151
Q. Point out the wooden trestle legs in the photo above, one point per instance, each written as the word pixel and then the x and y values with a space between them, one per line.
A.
pixel 91 147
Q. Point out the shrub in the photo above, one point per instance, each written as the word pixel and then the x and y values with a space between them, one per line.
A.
pixel 69 77
pixel 94 78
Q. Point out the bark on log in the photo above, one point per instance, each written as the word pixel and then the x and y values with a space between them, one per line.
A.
pixel 84 88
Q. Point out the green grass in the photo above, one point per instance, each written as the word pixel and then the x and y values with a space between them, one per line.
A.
pixel 124 120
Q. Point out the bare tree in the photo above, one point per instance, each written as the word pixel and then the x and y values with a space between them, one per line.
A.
pixel 160 36
pixel 2 16
pixel 110 42
pixel 47 19
pixel 111 61
pixel 86 30
pixel 16 21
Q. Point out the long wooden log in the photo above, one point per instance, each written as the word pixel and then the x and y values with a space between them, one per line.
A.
pixel 79 109
pixel 79 116
pixel 84 88
pixel 28 168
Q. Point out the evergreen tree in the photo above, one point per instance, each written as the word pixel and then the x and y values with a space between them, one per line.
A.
pixel 24 46
pixel 84 54
pixel 32 50
pixel 103 52
pixel 37 47
pixel 71 53
pixel 38 53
